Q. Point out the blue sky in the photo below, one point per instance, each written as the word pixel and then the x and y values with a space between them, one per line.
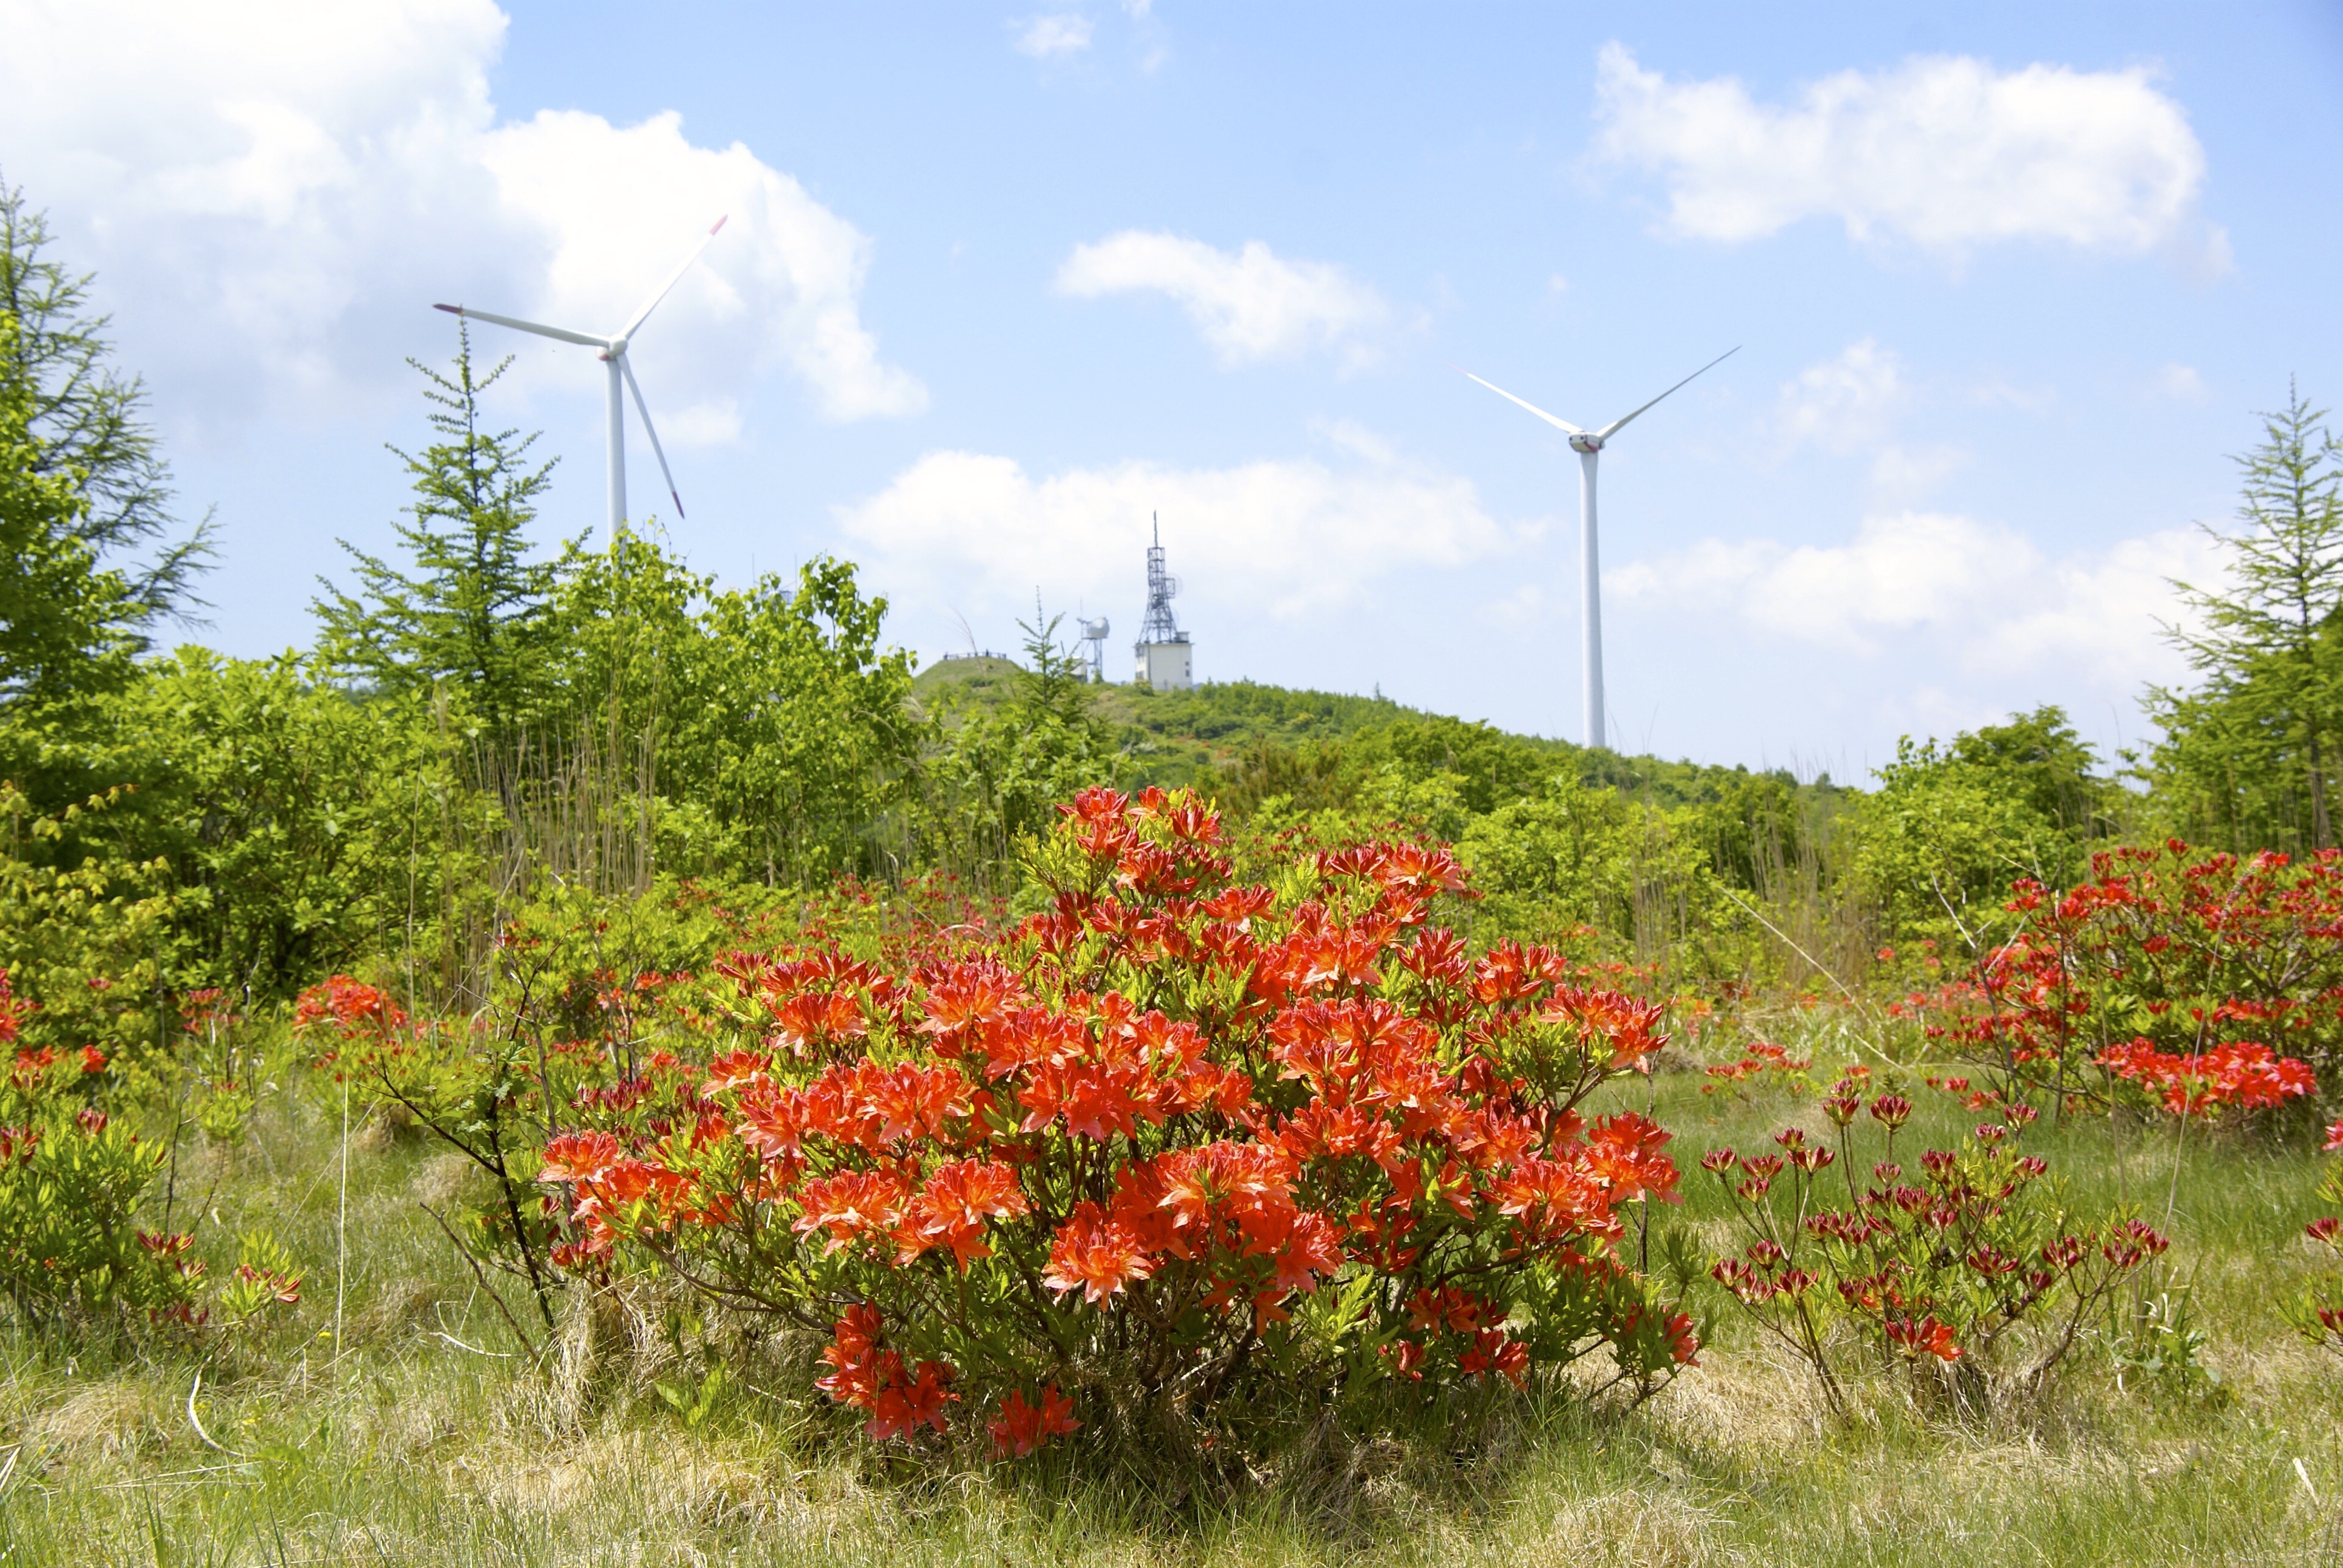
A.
pixel 2007 283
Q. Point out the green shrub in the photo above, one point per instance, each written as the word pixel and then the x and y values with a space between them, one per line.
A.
pixel 86 933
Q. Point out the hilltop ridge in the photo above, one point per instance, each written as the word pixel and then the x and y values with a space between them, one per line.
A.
pixel 1259 739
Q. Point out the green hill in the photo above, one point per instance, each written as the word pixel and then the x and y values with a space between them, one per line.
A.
pixel 1249 739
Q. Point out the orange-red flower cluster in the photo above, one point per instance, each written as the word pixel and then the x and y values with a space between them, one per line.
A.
pixel 1136 1129
pixel 2243 1074
pixel 1022 1427
pixel 1924 1337
pixel 868 1377
pixel 2138 971
pixel 351 1006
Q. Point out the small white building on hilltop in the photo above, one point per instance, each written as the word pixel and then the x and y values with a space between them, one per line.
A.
pixel 1165 666
pixel 1165 655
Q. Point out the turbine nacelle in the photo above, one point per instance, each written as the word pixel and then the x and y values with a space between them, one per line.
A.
pixel 1586 441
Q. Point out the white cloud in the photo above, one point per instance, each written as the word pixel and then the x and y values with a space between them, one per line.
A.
pixel 1942 586
pixel 1843 402
pixel 1943 152
pixel 782 291
pixel 2180 383
pixel 274 191
pixel 1249 305
pixel 1286 537
pixel 1853 401
pixel 1062 33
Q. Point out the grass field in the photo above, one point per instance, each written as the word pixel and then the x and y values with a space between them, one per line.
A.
pixel 427 1439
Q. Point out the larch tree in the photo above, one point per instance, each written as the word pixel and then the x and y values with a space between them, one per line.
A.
pixel 85 428
pixel 478 613
pixel 68 624
pixel 2267 643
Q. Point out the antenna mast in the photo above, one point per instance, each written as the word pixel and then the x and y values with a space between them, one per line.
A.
pixel 1164 658
pixel 1161 589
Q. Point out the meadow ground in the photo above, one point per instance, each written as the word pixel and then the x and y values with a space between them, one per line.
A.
pixel 428 1440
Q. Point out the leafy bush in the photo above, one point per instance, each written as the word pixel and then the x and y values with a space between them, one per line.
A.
pixel 73 1179
pixel 1951 825
pixel 773 709
pixel 1566 855
pixel 85 933
pixel 1969 1272
pixel 296 828
pixel 2163 967
pixel 70 1182
pixel 995 780
pixel 1179 1156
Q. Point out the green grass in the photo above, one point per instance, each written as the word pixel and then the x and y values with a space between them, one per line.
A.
pixel 414 1446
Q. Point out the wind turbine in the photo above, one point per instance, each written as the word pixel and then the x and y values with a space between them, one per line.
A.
pixel 614 358
pixel 1588 445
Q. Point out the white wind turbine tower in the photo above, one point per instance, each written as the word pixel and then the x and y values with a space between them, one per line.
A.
pixel 1588 445
pixel 614 359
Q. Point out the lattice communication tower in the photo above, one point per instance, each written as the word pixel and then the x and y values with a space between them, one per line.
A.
pixel 1161 589
pixel 1163 657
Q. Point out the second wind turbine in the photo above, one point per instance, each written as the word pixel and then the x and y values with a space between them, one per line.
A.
pixel 1588 445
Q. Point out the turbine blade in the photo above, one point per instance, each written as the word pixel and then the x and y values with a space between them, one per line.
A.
pixel 673 278
pixel 1605 432
pixel 517 324
pixel 648 429
pixel 1558 423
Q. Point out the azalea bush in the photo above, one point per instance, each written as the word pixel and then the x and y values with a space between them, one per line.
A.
pixel 588 996
pixel 1173 1157
pixel 1966 1270
pixel 71 1178
pixel 2166 970
pixel 2317 1312
pixel 73 1182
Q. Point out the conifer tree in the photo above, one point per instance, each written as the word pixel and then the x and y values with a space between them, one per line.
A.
pixel 68 624
pixel 2268 647
pixel 478 613
pixel 84 428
